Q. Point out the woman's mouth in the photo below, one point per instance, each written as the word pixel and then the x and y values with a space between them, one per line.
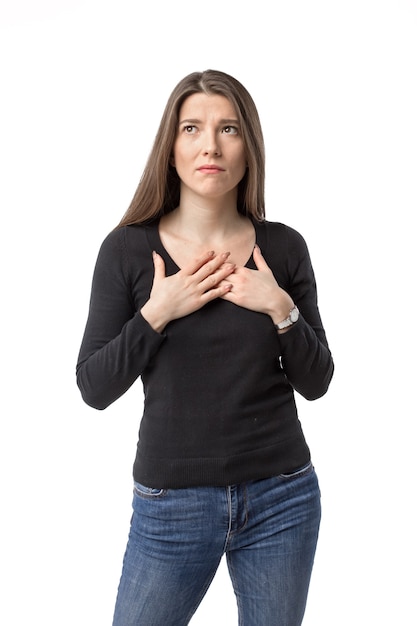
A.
pixel 210 169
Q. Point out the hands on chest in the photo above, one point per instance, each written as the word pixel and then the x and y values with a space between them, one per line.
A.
pixel 209 277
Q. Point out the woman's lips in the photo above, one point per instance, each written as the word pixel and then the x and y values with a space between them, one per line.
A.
pixel 210 169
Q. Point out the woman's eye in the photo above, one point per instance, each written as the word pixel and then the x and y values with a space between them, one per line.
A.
pixel 189 129
pixel 230 130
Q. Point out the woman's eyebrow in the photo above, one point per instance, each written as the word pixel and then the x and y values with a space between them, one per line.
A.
pixel 230 120
pixel 197 121
pixel 189 121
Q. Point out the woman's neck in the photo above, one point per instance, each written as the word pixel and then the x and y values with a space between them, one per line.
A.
pixel 188 235
pixel 203 219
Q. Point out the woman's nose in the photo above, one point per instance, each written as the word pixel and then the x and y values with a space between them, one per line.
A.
pixel 211 145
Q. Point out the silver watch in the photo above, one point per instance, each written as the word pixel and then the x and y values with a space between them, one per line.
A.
pixel 290 320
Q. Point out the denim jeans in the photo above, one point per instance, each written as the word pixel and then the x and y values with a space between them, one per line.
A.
pixel 268 530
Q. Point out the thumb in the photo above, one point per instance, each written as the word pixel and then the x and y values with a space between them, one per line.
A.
pixel 260 262
pixel 159 266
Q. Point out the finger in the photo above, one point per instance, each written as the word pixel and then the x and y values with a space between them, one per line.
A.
pixel 159 266
pixel 214 279
pixel 260 262
pixel 192 267
pixel 227 292
pixel 220 291
pixel 213 266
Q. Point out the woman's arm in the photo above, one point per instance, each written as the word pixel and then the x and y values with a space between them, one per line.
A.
pixel 305 355
pixel 118 342
pixel 273 289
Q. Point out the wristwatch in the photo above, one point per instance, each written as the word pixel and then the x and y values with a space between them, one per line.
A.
pixel 290 320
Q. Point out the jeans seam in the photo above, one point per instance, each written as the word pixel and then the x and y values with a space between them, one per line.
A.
pixel 233 533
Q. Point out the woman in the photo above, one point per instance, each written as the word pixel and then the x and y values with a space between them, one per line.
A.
pixel 215 308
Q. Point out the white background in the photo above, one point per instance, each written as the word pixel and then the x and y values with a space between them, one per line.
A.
pixel 83 86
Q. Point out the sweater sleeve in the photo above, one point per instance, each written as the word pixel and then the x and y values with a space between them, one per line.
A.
pixel 118 343
pixel 305 355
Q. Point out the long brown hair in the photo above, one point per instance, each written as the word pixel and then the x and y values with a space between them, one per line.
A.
pixel 158 191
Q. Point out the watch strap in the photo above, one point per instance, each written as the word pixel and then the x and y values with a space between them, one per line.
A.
pixel 290 320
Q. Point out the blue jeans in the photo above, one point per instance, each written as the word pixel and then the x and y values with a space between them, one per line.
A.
pixel 268 530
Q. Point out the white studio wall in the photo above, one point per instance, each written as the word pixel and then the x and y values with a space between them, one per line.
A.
pixel 83 88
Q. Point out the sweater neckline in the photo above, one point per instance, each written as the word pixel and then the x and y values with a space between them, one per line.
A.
pixel 157 245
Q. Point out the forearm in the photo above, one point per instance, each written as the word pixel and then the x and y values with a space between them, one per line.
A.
pixel 106 369
pixel 306 359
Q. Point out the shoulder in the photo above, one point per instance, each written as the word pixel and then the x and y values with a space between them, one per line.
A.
pixel 126 239
pixel 123 250
pixel 281 237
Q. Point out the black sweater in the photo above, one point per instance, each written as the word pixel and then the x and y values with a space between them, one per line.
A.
pixel 219 384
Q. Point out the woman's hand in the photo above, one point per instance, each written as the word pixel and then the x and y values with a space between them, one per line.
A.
pixel 258 290
pixel 186 291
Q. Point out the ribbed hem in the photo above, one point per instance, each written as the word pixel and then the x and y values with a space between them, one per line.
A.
pixel 221 471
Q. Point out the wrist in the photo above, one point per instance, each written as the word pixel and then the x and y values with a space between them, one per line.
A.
pixel 292 318
pixel 280 308
pixel 153 316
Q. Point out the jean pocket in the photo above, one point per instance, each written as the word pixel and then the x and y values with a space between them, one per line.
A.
pixel 301 471
pixel 147 492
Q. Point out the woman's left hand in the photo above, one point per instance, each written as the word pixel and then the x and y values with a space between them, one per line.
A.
pixel 258 290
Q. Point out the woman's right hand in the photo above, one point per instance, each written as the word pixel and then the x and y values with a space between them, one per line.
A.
pixel 186 291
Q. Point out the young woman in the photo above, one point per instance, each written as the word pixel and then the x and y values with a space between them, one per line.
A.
pixel 215 309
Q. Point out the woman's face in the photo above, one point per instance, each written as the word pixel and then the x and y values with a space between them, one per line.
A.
pixel 208 151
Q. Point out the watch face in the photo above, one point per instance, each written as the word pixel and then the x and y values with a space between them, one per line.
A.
pixel 294 314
